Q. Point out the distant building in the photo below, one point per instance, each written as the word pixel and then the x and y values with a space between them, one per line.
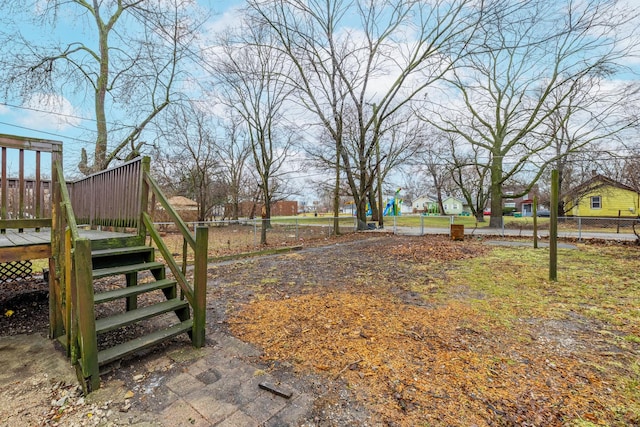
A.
pixel 249 209
pixel 425 204
pixel 453 206
pixel 522 204
pixel 185 207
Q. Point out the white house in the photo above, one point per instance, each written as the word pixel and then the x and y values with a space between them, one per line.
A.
pixel 452 206
pixel 424 204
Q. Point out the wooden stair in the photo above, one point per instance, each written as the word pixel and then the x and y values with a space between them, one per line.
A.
pixel 130 261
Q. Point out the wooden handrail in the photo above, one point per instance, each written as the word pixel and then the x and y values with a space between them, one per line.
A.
pixel 168 257
pixel 33 144
pixel 173 215
pixel 65 203
pixel 196 294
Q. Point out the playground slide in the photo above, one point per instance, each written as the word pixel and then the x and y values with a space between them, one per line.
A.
pixel 388 208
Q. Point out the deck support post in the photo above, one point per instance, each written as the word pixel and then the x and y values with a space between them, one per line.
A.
pixel 132 280
pixel 144 197
pixel 86 316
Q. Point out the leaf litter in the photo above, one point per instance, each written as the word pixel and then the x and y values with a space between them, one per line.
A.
pixel 443 362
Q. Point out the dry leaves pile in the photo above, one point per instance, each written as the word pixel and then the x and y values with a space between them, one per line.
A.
pixel 417 365
pixel 440 364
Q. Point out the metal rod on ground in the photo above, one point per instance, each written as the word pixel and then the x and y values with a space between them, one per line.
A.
pixel 553 228
pixel 579 229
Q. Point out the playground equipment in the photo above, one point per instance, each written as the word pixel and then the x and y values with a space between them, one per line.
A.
pixel 392 208
pixel 394 205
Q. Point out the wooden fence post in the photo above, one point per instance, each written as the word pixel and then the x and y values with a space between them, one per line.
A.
pixel 200 286
pixel 553 228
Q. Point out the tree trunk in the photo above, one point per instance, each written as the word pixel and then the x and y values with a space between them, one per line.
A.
pixel 101 91
pixel 264 224
pixel 439 196
pixel 496 193
pixel 560 207
pixel 376 211
pixel 361 213
pixel 336 194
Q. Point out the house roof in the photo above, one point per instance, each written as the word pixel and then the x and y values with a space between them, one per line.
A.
pixel 603 181
pixel 182 202
pixel 452 198
pixel 432 199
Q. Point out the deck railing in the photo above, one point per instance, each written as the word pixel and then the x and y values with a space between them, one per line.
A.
pixel 109 198
pixel 25 194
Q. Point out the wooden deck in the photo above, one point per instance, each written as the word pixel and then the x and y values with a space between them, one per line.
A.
pixel 30 244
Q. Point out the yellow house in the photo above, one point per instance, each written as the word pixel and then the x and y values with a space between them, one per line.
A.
pixel 603 197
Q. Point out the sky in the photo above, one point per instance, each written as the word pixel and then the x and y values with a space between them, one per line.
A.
pixel 64 119
pixel 69 123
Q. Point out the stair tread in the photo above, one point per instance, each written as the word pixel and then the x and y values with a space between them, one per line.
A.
pixel 120 251
pixel 132 290
pixel 129 347
pixel 122 319
pixel 124 269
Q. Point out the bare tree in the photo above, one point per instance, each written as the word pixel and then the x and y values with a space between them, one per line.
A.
pixel 129 75
pixel 189 158
pixel 434 162
pixel 471 173
pixel 584 130
pixel 369 74
pixel 631 171
pixel 235 149
pixel 250 82
pixel 527 61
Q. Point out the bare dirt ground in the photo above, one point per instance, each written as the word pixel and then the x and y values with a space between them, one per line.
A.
pixel 364 324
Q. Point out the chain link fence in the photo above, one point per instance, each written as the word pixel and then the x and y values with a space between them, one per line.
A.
pixel 244 235
pixel 568 227
pixel 232 237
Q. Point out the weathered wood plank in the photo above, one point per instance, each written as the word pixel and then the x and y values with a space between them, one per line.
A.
pixel 200 287
pixel 130 347
pixel 21 253
pixel 5 183
pixel 126 269
pixel 121 251
pixel 13 238
pixel 106 324
pixel 25 223
pixel 86 315
pixel 34 144
pixel 133 290
pixel 171 263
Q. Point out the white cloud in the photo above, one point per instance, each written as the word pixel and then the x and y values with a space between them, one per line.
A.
pixel 229 19
pixel 49 112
